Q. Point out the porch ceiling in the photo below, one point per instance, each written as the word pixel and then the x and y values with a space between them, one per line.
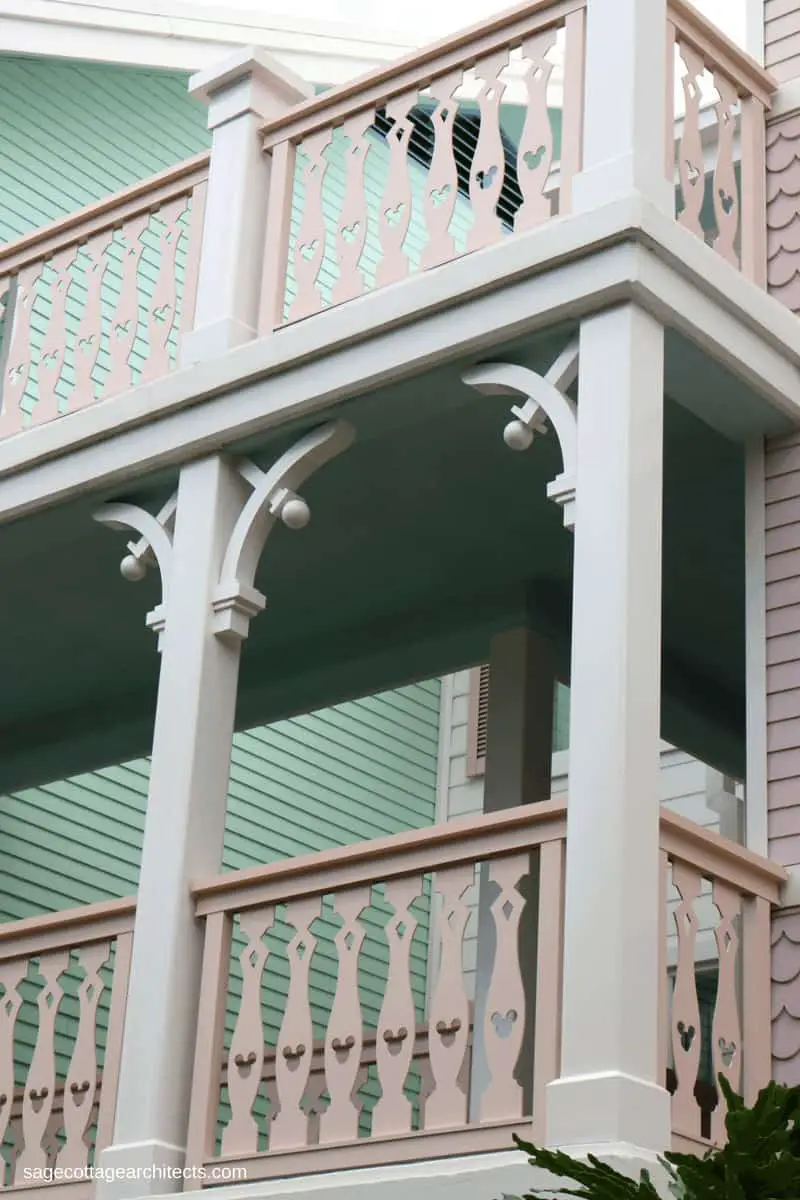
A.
pixel 427 535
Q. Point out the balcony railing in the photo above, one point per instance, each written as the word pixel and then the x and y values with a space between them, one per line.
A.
pixel 96 302
pixel 385 1068
pixel 723 99
pixel 470 141
pixel 65 981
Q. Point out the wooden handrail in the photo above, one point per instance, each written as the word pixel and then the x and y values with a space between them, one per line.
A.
pixel 108 213
pixel 70 927
pixel 720 858
pixel 417 69
pixel 717 50
pixel 468 839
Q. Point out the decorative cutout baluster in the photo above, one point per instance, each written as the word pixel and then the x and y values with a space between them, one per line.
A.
pixel 727 1032
pixel 51 354
pixel 351 231
pixel 37 1102
pixel 504 1018
pixel 18 362
pixel 489 164
pixel 289 1129
pixel 535 152
pixel 397 1021
pixel 88 335
pixel 726 192
pixel 448 1026
pixel 81 1084
pixel 395 210
pixel 164 300
pixel 685 1007
pixel 309 249
pixel 691 167
pixel 246 1055
pixel 11 975
pixel 441 184
pixel 345 1039
pixel 125 321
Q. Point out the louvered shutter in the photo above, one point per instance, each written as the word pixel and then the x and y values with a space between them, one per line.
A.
pixel 477 721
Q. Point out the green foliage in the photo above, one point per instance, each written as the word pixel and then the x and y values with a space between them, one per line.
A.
pixel 759 1161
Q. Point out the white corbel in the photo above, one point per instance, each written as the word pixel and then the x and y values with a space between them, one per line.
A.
pixel 546 400
pixel 153 547
pixel 274 497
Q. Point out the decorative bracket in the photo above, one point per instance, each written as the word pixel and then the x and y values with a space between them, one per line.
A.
pixel 154 547
pixel 545 400
pixel 236 600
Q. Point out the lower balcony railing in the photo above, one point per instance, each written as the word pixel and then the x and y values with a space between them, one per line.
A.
pixel 395 999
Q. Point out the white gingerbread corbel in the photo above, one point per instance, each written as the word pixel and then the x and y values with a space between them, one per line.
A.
pixel 546 400
pixel 274 497
pixel 154 547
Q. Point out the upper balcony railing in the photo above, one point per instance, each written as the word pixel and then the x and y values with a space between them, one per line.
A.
pixel 470 141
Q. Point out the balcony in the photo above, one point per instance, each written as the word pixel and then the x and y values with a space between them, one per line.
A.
pixel 292 1078
pixel 450 152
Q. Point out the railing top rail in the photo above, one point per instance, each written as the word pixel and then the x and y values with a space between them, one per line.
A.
pixel 721 858
pixel 718 50
pixel 70 927
pixel 469 839
pixel 417 69
pixel 105 214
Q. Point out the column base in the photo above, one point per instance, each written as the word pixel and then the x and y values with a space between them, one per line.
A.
pixel 610 1115
pixel 139 1169
pixel 211 341
pixel 617 179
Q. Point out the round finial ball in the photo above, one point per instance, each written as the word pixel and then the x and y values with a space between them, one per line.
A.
pixel 295 513
pixel 517 436
pixel 132 568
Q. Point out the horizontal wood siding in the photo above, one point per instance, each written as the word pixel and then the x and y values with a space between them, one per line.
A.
pixel 782 38
pixel 783 647
pixel 361 770
pixel 782 571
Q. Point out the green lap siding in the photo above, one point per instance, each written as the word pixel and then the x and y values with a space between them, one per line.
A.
pixel 361 770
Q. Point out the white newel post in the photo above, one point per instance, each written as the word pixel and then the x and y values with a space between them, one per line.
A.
pixel 242 93
pixel 609 1096
pixel 183 835
pixel 625 105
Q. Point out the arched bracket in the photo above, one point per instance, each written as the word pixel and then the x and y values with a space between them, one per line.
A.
pixel 545 400
pixel 274 497
pixel 154 547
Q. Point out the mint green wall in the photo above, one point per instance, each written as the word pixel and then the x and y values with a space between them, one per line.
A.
pixel 73 132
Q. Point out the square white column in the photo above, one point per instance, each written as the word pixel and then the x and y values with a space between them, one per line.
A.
pixel 242 93
pixel 610 1097
pixel 183 839
pixel 625 105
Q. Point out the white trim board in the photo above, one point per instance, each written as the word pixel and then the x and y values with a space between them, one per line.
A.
pixel 188 36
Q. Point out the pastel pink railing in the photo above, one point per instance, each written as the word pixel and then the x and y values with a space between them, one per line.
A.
pixel 725 96
pixel 312 1082
pixel 97 301
pixel 64 977
pixel 718 900
pixel 366 191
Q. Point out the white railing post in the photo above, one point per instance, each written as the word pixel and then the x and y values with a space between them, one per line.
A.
pixel 609 1097
pixel 242 93
pixel 624 105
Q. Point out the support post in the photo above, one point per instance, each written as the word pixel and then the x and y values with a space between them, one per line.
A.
pixel 242 93
pixel 610 1098
pixel 518 765
pixel 625 97
pixel 183 839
